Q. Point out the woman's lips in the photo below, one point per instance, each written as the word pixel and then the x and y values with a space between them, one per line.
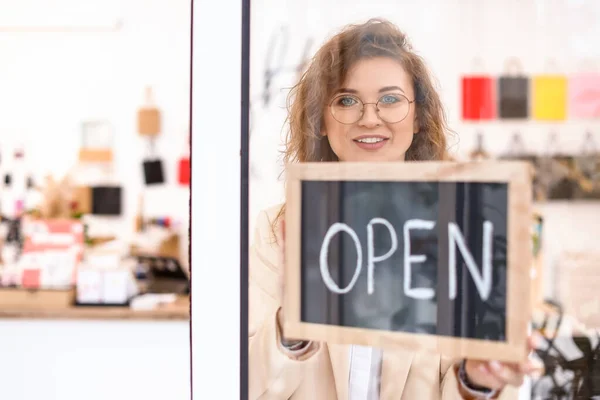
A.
pixel 371 142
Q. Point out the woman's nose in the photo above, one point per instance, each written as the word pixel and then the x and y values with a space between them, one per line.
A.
pixel 370 116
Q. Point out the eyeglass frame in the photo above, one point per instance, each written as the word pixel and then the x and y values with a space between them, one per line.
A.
pixel 362 111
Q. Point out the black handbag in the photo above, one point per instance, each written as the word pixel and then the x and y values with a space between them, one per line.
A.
pixel 513 92
pixel 107 200
pixel 153 167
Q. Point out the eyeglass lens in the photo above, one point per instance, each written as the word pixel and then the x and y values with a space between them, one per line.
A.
pixel 391 108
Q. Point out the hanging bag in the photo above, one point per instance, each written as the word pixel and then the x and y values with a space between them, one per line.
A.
pixel 183 167
pixel 584 93
pixel 555 171
pixel 549 98
pixel 149 116
pixel 479 153
pixel 478 95
pixel 513 92
pixel 153 166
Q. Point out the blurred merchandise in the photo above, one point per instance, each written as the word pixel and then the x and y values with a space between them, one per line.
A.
pixel 97 200
pixel 156 241
pixel 104 283
pixel 513 92
pixel 183 168
pixel 478 96
pixel 560 176
pixel 164 275
pixel 151 301
pixel 153 166
pixel 82 199
pixel 571 177
pixel 96 142
pixel 107 200
pixel 584 94
pixel 148 117
pixel 538 228
pixel 52 251
pixel 56 199
pixel 537 274
pixel 549 95
pixel 570 353
pixel 479 153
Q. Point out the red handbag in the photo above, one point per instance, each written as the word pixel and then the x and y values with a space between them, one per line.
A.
pixel 478 94
pixel 183 170
pixel 478 98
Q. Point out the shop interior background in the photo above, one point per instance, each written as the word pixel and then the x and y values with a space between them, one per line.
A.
pixel 50 84
pixel 449 35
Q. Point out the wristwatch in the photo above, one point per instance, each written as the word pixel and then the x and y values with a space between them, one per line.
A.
pixel 470 391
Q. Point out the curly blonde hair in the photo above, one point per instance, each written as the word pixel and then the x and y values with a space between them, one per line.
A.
pixel 326 72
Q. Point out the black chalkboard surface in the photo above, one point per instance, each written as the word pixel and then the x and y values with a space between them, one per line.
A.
pixel 424 254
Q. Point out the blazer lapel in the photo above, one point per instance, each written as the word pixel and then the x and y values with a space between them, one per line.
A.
pixel 394 371
pixel 340 364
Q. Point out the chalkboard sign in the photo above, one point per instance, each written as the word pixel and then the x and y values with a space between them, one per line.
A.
pixel 430 255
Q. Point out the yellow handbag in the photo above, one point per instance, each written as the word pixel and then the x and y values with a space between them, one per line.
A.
pixel 549 97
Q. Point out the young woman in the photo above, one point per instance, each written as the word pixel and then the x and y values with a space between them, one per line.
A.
pixel 365 97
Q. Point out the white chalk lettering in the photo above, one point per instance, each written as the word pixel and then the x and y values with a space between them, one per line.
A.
pixel 409 259
pixel 483 281
pixel 324 255
pixel 371 258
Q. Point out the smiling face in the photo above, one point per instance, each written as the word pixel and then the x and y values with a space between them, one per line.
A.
pixel 384 129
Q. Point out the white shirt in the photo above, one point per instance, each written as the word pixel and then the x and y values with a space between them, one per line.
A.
pixel 365 373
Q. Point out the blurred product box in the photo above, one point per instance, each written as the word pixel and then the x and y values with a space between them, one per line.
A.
pixel 577 282
pixel 105 279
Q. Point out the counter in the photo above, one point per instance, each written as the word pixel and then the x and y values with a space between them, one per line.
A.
pixel 178 310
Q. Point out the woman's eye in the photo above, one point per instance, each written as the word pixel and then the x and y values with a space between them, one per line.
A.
pixel 390 99
pixel 347 101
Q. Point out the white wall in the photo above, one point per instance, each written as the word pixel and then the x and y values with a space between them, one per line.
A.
pixel 51 82
pixel 449 34
pixel 94 360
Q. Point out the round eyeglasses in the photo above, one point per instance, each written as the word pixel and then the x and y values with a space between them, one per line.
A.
pixel 349 109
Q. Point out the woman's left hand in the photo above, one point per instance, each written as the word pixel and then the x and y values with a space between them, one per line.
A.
pixel 496 375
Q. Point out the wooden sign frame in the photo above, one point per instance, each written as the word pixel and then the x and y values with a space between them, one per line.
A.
pixel 516 174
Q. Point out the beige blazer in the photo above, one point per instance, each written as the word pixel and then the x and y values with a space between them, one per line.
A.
pixel 323 372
